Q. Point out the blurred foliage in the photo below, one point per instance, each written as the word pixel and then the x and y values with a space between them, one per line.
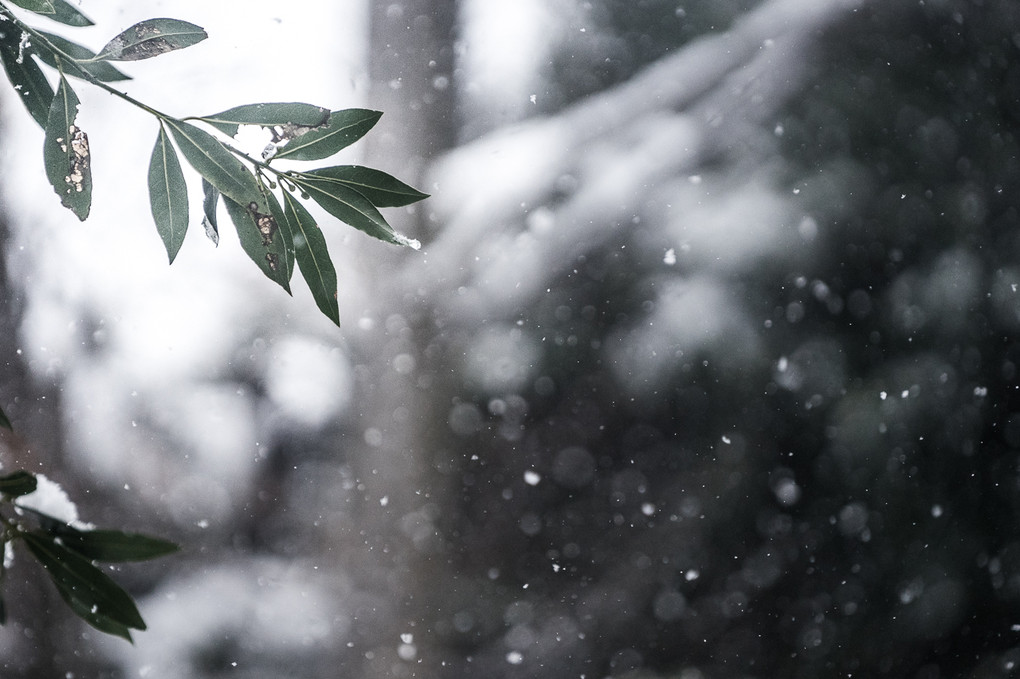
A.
pixel 613 39
pixel 847 504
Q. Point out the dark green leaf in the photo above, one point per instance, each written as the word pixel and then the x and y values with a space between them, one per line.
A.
pixel 168 194
pixel 211 198
pixel 312 256
pixel 68 14
pixel 90 592
pixel 66 153
pixel 101 622
pixel 151 38
pixel 4 422
pixel 262 239
pixel 285 233
pixel 25 75
pixel 37 6
pixel 3 572
pixel 285 114
pixel 347 205
pixel 17 484
pixel 381 189
pixel 217 165
pixel 343 129
pixel 99 70
pixel 112 545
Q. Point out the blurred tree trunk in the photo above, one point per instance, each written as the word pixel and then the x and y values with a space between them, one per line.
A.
pixel 411 66
pixel 411 62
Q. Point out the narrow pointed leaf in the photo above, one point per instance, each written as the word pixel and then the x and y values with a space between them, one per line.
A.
pixel 100 70
pixel 381 189
pixel 151 38
pixel 17 484
pixel 4 422
pixel 66 154
pixel 260 237
pixel 217 165
pixel 211 198
pixel 312 256
pixel 103 623
pixel 85 587
pixel 37 6
pixel 273 114
pixel 348 206
pixel 111 546
pixel 168 194
pixel 343 129
pixel 25 75
pixel 286 235
pixel 68 14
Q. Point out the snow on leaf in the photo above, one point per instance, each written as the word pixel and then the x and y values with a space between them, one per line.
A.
pixel 151 38
pixel 49 498
pixel 66 154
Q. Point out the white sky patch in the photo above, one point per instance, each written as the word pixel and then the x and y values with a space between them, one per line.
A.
pixel 496 85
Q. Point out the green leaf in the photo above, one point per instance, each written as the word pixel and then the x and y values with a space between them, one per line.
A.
pixel 111 545
pixel 312 256
pixel 4 422
pixel 211 198
pixel 25 75
pixel 286 235
pixel 91 593
pixel 37 6
pixel 263 240
pixel 381 189
pixel 68 14
pixel 66 153
pixel 151 38
pixel 285 114
pixel 347 205
pixel 217 165
pixel 101 622
pixel 168 194
pixel 343 129
pixel 17 484
pixel 100 70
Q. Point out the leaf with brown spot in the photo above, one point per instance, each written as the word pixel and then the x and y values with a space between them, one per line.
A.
pixel 267 115
pixel 263 239
pixel 66 153
pixel 343 129
pixel 150 38
pixel 38 6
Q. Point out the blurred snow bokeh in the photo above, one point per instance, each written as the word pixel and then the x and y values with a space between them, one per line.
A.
pixel 561 433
